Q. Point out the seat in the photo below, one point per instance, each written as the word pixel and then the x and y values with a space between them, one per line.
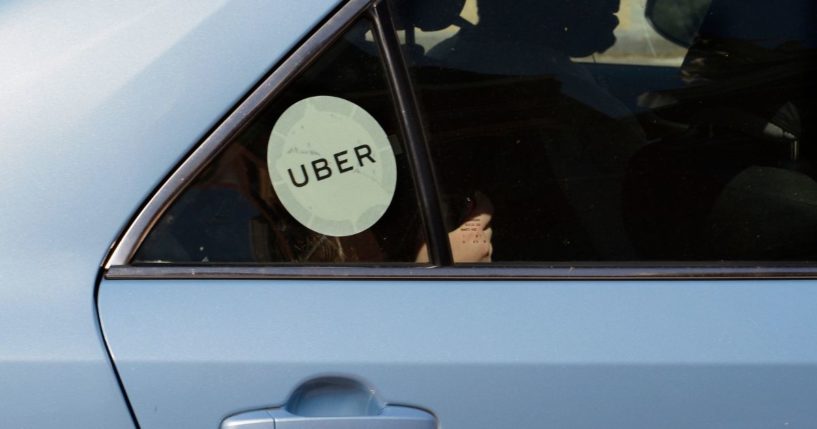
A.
pixel 748 108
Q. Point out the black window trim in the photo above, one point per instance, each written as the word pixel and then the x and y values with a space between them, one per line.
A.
pixel 408 113
pixel 562 271
pixel 117 264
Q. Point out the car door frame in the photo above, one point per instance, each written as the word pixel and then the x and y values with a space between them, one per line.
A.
pixel 117 263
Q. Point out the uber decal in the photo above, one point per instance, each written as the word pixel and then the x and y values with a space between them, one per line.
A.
pixel 331 165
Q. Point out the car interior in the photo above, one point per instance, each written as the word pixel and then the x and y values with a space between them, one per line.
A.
pixel 583 161
pixel 711 161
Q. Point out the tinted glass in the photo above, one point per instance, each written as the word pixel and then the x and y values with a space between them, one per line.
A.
pixel 591 137
pixel 231 212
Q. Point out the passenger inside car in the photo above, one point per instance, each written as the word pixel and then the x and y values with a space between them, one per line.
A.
pixel 538 156
pixel 231 213
pixel 512 115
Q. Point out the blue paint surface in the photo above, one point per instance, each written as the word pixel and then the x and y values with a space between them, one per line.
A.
pixel 99 100
pixel 477 354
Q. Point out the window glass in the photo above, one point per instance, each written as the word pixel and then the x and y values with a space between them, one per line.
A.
pixel 288 190
pixel 605 130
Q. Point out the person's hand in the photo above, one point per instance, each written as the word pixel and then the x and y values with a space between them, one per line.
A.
pixel 471 241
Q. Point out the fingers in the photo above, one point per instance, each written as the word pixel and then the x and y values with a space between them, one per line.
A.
pixel 479 218
pixel 471 241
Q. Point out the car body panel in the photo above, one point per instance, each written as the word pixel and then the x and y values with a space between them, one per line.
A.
pixel 522 354
pixel 99 101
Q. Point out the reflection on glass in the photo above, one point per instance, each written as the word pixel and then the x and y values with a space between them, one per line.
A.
pixel 597 139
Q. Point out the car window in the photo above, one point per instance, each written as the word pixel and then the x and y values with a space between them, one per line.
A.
pixel 581 131
pixel 320 175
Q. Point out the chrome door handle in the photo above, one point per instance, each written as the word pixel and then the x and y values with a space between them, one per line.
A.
pixel 391 417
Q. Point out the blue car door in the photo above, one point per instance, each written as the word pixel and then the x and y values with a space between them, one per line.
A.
pixel 466 215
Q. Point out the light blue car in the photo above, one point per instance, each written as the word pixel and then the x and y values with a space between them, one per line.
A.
pixel 408 214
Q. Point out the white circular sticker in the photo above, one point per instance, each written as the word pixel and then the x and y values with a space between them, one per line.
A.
pixel 331 165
